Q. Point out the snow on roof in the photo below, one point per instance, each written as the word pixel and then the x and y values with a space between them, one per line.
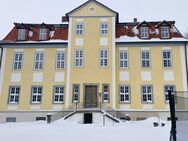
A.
pixel 46 41
pixel 136 39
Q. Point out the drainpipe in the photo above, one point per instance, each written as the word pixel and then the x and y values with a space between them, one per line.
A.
pixel 186 62
pixel 1 56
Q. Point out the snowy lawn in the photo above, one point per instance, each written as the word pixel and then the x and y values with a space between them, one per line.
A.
pixel 63 130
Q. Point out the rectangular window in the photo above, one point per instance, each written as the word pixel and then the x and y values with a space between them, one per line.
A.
pixel 144 32
pixel 104 29
pixel 172 88
pixel 147 96
pixel 124 94
pixel 104 58
pixel 21 34
pixel 39 60
pixel 14 94
pixel 123 59
pixel 18 58
pixel 60 60
pixel 164 32
pixel 79 29
pixel 145 59
pixel 105 93
pixel 58 94
pixel 42 34
pixel 79 58
pixel 36 94
pixel 167 58
pixel 11 119
pixel 76 91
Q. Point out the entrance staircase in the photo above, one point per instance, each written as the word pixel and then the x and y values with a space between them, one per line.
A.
pixel 84 108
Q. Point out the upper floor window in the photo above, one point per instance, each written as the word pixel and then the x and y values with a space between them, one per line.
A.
pixel 39 60
pixel 58 94
pixel 14 94
pixel 145 59
pixel 21 34
pixel 79 58
pixel 167 58
pixel 123 59
pixel 42 34
pixel 124 94
pixel 79 29
pixel 164 32
pixel 104 58
pixel 147 96
pixel 60 60
pixel 36 94
pixel 144 32
pixel 105 93
pixel 18 58
pixel 104 29
pixel 76 92
pixel 167 88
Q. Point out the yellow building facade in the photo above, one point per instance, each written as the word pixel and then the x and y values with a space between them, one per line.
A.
pixel 93 67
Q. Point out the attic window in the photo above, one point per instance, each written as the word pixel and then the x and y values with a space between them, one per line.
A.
pixel 144 32
pixel 42 34
pixel 21 34
pixel 164 32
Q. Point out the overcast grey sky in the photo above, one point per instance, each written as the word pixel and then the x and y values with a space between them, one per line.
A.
pixel 50 11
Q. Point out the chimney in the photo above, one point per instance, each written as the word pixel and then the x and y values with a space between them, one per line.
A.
pixel 64 19
pixel 135 20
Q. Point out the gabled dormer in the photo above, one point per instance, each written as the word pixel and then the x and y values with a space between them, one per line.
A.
pixel 144 30
pixel 43 31
pixel 164 29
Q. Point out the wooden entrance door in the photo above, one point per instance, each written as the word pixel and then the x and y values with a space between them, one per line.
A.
pixel 90 96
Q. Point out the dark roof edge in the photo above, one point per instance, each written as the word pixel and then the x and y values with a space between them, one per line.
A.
pixel 153 42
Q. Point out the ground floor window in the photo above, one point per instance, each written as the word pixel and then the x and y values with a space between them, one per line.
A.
pixel 11 119
pixel 76 91
pixel 14 94
pixel 36 94
pixel 106 93
pixel 124 94
pixel 58 94
pixel 147 94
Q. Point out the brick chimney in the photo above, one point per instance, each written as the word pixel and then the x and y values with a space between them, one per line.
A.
pixel 64 19
pixel 135 20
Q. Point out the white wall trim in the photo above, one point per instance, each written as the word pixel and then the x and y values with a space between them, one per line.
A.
pixel 39 49
pixel 123 48
pixel 19 50
pixel 2 68
pixel 79 41
pixel 16 77
pixel 37 77
pixel 104 19
pixel 59 77
pixel 146 76
pixel 123 76
pixel 145 48
pixel 77 20
pixel 166 48
pixel 183 67
pixel 69 63
pixel 61 49
pixel 168 75
pixel 113 64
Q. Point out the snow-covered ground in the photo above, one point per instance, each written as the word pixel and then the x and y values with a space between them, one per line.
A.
pixel 182 130
pixel 64 130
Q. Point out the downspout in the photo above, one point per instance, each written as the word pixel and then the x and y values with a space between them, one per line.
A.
pixel 1 56
pixel 186 62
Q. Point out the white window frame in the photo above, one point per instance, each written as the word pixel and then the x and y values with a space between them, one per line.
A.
pixel 106 93
pixel 166 88
pixel 144 32
pixel 145 59
pixel 39 63
pixel 124 94
pixel 37 94
pixel 18 60
pixel 78 58
pixel 76 93
pixel 21 34
pixel 123 62
pixel 58 94
pixel 103 58
pixel 60 59
pixel 168 59
pixel 165 32
pixel 15 95
pixel 147 94
pixel 42 34
pixel 79 29
pixel 104 29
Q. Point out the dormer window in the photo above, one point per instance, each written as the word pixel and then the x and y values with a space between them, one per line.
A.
pixel 144 32
pixel 21 34
pixel 165 32
pixel 42 34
